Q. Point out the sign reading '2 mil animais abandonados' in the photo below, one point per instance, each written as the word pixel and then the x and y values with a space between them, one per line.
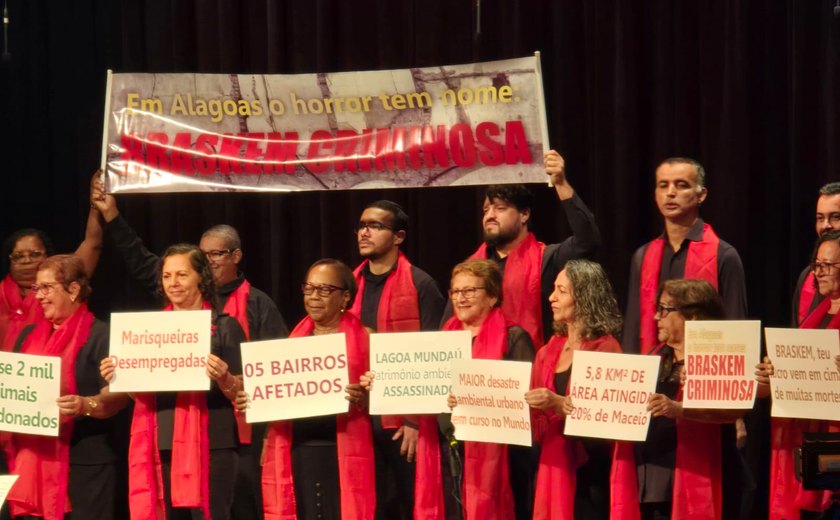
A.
pixel 478 123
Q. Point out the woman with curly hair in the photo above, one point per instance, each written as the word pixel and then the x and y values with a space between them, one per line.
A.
pixel 578 478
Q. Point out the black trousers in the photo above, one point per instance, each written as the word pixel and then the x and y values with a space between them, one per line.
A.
pixel 394 476
pixel 223 468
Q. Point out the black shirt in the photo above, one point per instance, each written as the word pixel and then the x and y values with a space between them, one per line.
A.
pixel 429 299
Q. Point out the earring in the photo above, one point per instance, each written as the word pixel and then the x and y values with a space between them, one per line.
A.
pixel 72 299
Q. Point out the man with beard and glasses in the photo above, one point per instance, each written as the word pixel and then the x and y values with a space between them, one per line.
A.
pixel 806 297
pixel 396 296
pixel 530 267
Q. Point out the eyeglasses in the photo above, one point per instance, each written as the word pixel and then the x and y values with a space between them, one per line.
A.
pixel 26 256
pixel 371 226
pixel 467 292
pixel 664 310
pixel 46 288
pixel 323 290
pixel 218 254
pixel 828 267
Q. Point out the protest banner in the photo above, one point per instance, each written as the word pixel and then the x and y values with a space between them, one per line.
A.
pixel 479 123
pixel 6 483
pixel 805 383
pixel 610 393
pixel 160 351
pixel 30 385
pixel 295 377
pixel 720 359
pixel 413 370
pixel 491 401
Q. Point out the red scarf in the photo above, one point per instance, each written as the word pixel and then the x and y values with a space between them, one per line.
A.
pixel 697 492
pixel 701 262
pixel 787 497
pixel 522 303
pixel 237 306
pixel 190 472
pixel 560 457
pixel 15 312
pixel 486 489
pixel 806 297
pixel 43 463
pixel 354 443
pixel 398 311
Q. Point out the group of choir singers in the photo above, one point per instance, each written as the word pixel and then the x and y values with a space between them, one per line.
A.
pixel 176 455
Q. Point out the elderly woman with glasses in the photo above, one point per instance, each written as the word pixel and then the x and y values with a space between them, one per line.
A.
pixel 78 469
pixel 787 498
pixel 679 464
pixel 574 475
pixel 323 467
pixel 496 477
pixel 183 453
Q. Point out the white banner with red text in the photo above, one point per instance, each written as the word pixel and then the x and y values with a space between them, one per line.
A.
pixel 295 377
pixel 805 383
pixel 720 359
pixel 610 393
pixel 413 370
pixel 160 351
pixel 30 386
pixel 478 123
pixel 491 401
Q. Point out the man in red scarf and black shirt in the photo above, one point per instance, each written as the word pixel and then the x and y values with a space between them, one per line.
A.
pixel 805 296
pixel 396 296
pixel 253 309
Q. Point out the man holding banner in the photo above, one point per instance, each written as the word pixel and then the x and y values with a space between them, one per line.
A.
pixel 806 297
pixel 396 296
pixel 530 267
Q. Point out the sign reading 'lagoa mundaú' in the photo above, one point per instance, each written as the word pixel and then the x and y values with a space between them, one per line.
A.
pixel 160 351
pixel 413 370
pixel 295 377
pixel 479 123
pixel 28 391
pixel 610 393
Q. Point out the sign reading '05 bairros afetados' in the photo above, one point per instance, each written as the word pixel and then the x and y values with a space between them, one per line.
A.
pixel 476 123
pixel 295 377
pixel 160 351
pixel 30 385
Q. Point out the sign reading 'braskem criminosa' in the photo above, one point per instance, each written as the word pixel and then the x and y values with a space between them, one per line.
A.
pixel 478 123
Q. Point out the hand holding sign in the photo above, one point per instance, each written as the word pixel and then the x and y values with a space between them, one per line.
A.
pixel 545 399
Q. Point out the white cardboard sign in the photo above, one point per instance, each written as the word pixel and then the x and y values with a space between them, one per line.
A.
pixel 413 371
pixel 6 483
pixel 31 384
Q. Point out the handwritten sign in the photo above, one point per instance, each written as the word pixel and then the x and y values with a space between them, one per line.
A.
pixel 720 359
pixel 491 401
pixel 295 377
pixel 806 382
pixel 610 393
pixel 160 351
pixel 413 370
pixel 6 483
pixel 30 385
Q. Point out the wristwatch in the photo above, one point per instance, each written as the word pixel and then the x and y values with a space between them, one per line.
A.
pixel 91 406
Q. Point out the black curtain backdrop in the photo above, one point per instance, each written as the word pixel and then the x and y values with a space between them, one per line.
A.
pixel 748 87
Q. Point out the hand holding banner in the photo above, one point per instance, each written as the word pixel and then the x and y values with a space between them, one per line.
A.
pixel 719 361
pixel 805 383
pixel 413 370
pixel 610 394
pixel 160 351
pixel 295 377
pixel 491 401
pixel 31 385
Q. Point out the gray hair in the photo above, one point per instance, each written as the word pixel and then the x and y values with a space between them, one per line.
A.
pixel 595 305
pixel 832 188
pixel 701 172
pixel 226 233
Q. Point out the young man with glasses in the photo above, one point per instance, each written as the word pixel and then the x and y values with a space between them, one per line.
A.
pixel 396 296
pixel 806 298
pixel 253 309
